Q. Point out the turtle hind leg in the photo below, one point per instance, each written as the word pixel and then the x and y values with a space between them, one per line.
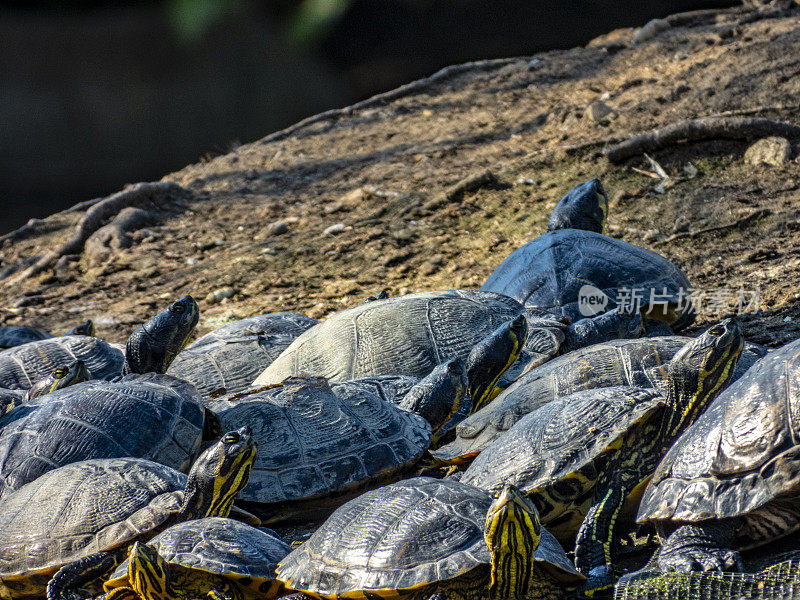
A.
pixel 80 573
pixel 701 547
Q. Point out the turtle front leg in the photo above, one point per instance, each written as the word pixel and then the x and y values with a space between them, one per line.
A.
pixel 595 540
pixel 78 574
pixel 702 546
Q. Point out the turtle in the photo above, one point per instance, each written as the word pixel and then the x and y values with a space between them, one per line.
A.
pixel 730 482
pixel 76 523
pixel 15 335
pixel 630 362
pixel 229 358
pixel 409 335
pixel 151 416
pixel 58 379
pixel 422 538
pixel 150 348
pixel 575 270
pixel 211 554
pixel 581 457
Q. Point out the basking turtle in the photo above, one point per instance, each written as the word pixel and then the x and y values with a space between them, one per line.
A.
pixel 58 379
pixel 409 335
pixel 151 416
pixel 150 349
pixel 229 358
pixel 17 335
pixel 213 554
pixel 731 480
pixel 631 362
pixel 574 259
pixel 88 514
pixel 580 457
pixel 421 537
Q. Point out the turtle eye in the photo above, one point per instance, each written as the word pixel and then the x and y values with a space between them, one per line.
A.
pixel 716 331
pixel 60 372
pixel 177 308
pixel 230 438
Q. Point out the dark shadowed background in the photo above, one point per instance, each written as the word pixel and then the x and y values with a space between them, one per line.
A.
pixel 94 95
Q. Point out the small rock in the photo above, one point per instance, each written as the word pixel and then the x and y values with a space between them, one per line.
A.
pixel 334 229
pixel 525 181
pixel 403 291
pixel 334 207
pixel 773 151
pixel 597 111
pixel 649 31
pixel 681 224
pixel 191 260
pixel 277 228
pixel 220 295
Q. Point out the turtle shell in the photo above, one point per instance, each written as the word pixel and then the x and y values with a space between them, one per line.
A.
pixel 547 448
pixel 549 271
pixel 77 510
pixel 22 366
pixel 232 356
pixel 407 335
pixel 218 546
pixel 314 440
pixel 741 458
pixel 150 416
pixel 638 362
pixel 16 335
pixel 409 534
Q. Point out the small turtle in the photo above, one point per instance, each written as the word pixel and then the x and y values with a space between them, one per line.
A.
pixel 581 457
pixel 732 480
pixel 60 378
pixel 629 362
pixel 573 260
pixel 19 334
pixel 409 335
pixel 87 515
pixel 423 538
pixel 229 358
pixel 194 557
pixel 150 349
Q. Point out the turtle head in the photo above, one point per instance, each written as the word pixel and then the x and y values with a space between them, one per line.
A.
pixel 512 532
pixel 154 345
pixel 701 370
pixel 584 207
pixel 62 377
pixel 148 573
pixel 85 328
pixel 438 396
pixel 218 475
pixel 490 358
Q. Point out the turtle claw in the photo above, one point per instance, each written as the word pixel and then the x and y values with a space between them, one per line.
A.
pixel 599 580
pixel 702 560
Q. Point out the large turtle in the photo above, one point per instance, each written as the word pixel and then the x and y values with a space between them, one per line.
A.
pixel 16 335
pixel 582 456
pixel 574 262
pixel 732 480
pixel 194 557
pixel 422 538
pixel 229 358
pixel 87 514
pixel 150 348
pixel 151 416
pixel 633 362
pixel 409 335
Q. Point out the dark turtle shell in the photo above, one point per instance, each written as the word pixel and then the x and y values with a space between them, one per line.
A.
pixel 407 335
pixel 220 546
pixel 638 362
pixel 549 271
pixel 77 510
pixel 741 458
pixel 315 440
pixel 409 534
pixel 16 335
pixel 229 358
pixel 564 445
pixel 22 366
pixel 151 416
